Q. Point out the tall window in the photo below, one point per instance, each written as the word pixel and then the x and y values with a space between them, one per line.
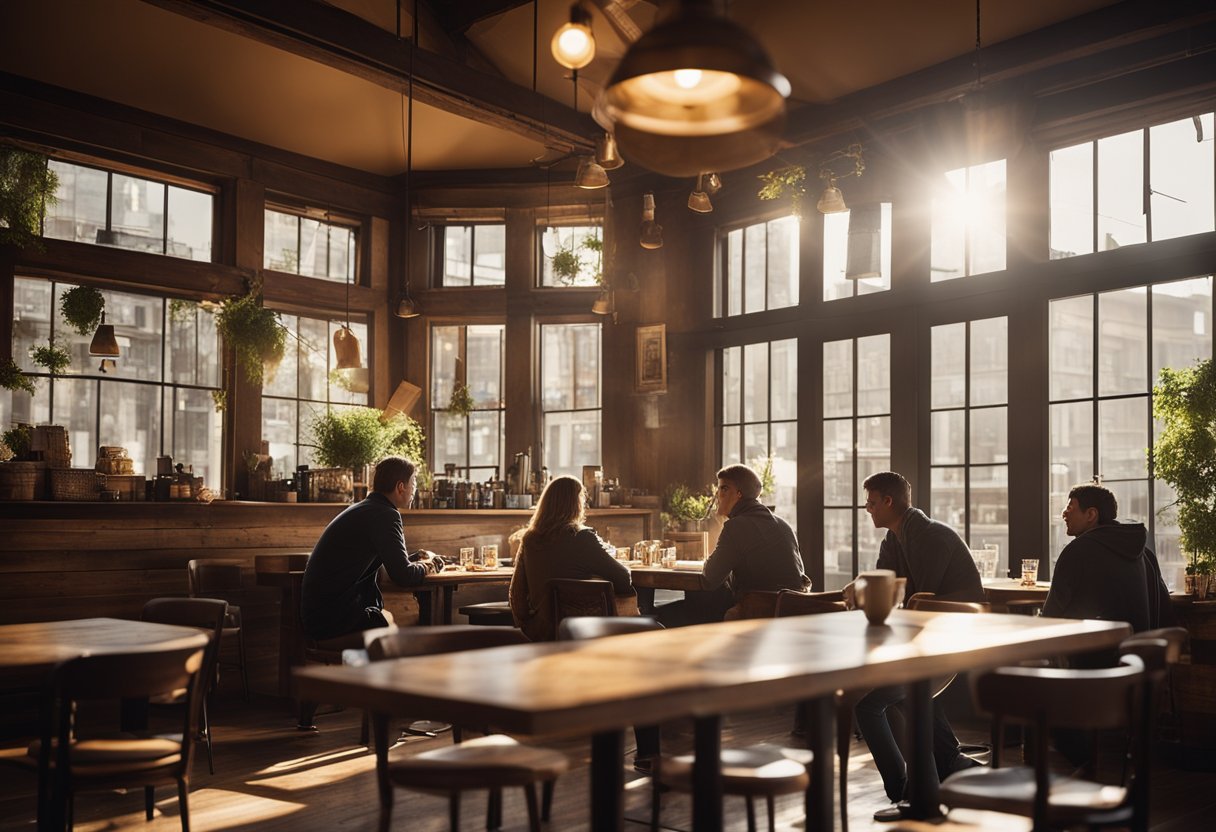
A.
pixel 570 255
pixel 1098 188
pixel 760 416
pixel 1106 353
pixel 473 255
pixel 309 247
pixel 857 251
pixel 969 444
pixel 968 234
pixel 124 211
pixel 302 386
pixel 759 268
pixel 570 396
pixel 473 356
pixel 157 399
pixel 856 444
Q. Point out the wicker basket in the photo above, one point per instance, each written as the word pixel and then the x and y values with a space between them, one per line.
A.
pixel 76 484
pixel 17 480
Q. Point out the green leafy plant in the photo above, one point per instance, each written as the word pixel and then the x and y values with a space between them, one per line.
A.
pixel 54 359
pixel 596 246
pixel 181 311
pixel 566 263
pixel 461 403
pixel 254 332
pixel 1184 456
pixel 82 308
pixel 220 399
pixel 763 466
pixel 17 440
pixel 687 506
pixel 359 436
pixel 426 479
pixel 27 187
pixel 11 378
pixel 789 183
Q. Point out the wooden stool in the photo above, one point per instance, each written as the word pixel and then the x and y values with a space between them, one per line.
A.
pixel 489 614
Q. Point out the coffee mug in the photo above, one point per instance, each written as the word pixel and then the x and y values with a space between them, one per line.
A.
pixel 877 593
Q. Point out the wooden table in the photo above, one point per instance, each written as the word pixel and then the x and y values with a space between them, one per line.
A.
pixel 1001 591
pixel 646 579
pixel 601 687
pixel 435 594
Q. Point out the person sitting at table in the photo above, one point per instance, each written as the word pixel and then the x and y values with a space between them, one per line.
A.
pixel 934 559
pixel 756 550
pixel 340 594
pixel 558 544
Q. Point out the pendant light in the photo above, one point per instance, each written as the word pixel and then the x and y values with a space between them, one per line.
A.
pixel 107 365
pixel 652 232
pixel 591 175
pixel 407 307
pixel 695 93
pixel 698 200
pixel 606 154
pixel 831 201
pixel 573 44
pixel 104 343
pixel 605 303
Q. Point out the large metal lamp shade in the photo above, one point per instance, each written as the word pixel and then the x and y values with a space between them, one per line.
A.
pixel 346 349
pixel 104 343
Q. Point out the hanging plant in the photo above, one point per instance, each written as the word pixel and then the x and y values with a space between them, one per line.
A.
pixel 566 264
pixel 461 403
pixel 220 399
pixel 789 183
pixel 596 246
pixel 358 436
pixel 254 332
pixel 54 359
pixel 181 311
pixel 27 187
pixel 11 378
pixel 82 308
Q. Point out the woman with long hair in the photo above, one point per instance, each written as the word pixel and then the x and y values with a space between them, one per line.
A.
pixel 557 544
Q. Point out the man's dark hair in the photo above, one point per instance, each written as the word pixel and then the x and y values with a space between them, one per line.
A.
pixel 890 484
pixel 1096 496
pixel 390 471
pixel 743 478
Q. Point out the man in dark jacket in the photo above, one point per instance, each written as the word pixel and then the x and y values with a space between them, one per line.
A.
pixel 934 559
pixel 340 594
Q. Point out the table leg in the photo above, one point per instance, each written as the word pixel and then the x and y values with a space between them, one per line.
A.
pixel 645 599
pixel 707 774
pixel 608 781
pixel 922 771
pixel 821 736
pixel 426 605
pixel 449 590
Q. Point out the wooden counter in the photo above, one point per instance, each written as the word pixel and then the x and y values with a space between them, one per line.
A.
pixel 62 560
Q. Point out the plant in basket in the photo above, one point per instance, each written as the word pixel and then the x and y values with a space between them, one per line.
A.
pixel 82 307
pixel 358 436
pixel 254 332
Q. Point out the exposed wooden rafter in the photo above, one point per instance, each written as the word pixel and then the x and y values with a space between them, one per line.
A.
pixel 459 15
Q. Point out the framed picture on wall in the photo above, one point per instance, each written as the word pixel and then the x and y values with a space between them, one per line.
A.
pixel 651 375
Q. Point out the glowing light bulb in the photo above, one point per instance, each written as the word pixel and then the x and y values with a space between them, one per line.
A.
pixel 573 41
pixel 686 79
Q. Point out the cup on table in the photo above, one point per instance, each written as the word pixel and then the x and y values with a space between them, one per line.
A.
pixel 669 557
pixel 623 553
pixel 1030 571
pixel 877 593
pixel 489 556
pixel 468 557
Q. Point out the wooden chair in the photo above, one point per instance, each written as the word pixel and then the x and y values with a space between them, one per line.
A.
pixel 582 628
pixel 491 762
pixel 1044 697
pixel 73 764
pixel 792 602
pixel 580 597
pixel 930 604
pixel 209 615
pixel 489 614
pixel 216 578
pixel 755 603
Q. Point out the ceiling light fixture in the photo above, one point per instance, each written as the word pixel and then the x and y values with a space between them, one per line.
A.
pixel 698 200
pixel 605 303
pixel 573 45
pixel 832 200
pixel 695 93
pixel 407 307
pixel 652 232
pixel 606 153
pixel 591 175
pixel 713 183
pixel 104 343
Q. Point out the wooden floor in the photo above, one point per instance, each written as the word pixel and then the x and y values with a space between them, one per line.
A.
pixel 271 777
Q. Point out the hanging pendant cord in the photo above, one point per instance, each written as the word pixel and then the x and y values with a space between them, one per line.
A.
pixel 978 44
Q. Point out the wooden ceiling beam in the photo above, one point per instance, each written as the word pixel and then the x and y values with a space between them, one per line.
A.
pixel 459 15
pixel 340 40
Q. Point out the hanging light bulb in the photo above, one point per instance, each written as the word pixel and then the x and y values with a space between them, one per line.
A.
pixel 573 44
pixel 652 232
pixel 606 153
pixel 698 200
pixel 713 183
pixel 104 343
pixel 406 307
pixel 591 175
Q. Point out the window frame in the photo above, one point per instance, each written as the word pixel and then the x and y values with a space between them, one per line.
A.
pixel 435 409
pixel 326 219
pixel 439 254
pixel 721 294
pixel 541 411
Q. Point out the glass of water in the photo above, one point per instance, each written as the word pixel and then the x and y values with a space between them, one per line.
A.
pixel 468 557
pixel 489 556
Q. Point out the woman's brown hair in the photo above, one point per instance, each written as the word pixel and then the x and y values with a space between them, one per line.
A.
pixel 561 506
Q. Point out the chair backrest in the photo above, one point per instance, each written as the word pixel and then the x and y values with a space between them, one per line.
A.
pixel 425 641
pixel 1089 699
pixel 1174 637
pixel 791 602
pixel 207 575
pixel 578 597
pixel 207 614
pixel 934 605
pixel 754 603
pixel 583 627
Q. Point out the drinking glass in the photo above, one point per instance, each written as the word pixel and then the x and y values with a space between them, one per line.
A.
pixel 623 552
pixel 468 557
pixel 1030 571
pixel 489 556
pixel 639 552
pixel 669 557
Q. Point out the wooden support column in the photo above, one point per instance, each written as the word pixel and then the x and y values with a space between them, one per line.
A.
pixel 521 376
pixel 244 211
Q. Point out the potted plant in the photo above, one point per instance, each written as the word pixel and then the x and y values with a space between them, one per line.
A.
pixel 82 307
pixel 789 183
pixel 763 467
pixel 254 332
pixel 1184 400
pixel 11 378
pixel 27 187
pixel 55 359
pixel 565 263
pixel 687 509
pixel 359 436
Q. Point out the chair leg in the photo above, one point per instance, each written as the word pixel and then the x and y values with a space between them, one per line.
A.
pixel 655 792
pixel 454 811
pixel 384 786
pixel 494 810
pixel 844 737
pixel 307 714
pixel 240 646
pixel 533 810
pixel 772 813
pixel 207 736
pixel 149 802
pixel 183 803
pixel 365 731
pixel 751 814
pixel 546 799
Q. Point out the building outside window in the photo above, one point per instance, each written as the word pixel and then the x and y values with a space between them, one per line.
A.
pixel 1098 188
pixel 1107 350
pixel 570 382
pixel 857 251
pixel 156 399
pixel 471 355
pixel 760 416
pixel 969 443
pixel 310 247
pixel 569 255
pixel 758 265
pixel 124 211
pixel 968 222
pixel 304 384
pixel 856 444
pixel 472 255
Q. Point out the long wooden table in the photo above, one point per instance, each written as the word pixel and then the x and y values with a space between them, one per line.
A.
pixel 603 686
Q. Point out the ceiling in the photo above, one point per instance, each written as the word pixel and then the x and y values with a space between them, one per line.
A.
pixel 149 57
